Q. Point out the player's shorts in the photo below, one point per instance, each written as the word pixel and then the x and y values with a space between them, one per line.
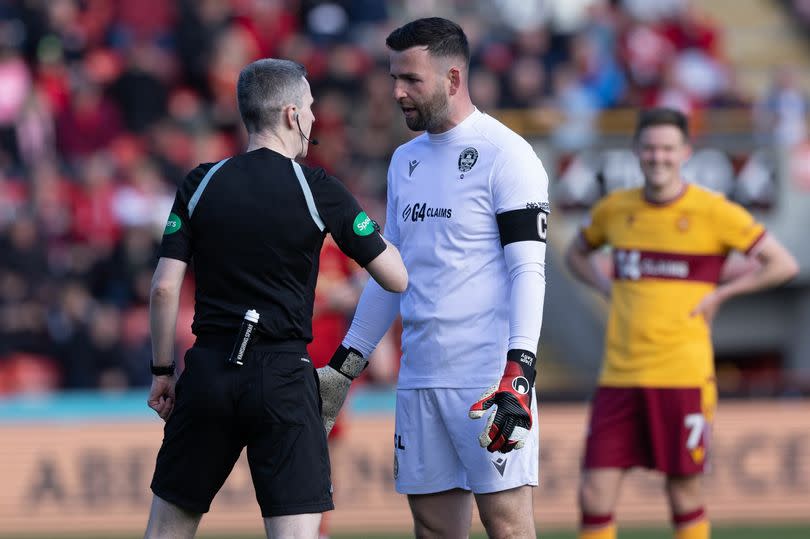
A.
pixel 665 429
pixel 271 405
pixel 436 446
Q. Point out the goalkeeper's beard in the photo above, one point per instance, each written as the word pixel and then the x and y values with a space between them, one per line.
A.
pixel 431 114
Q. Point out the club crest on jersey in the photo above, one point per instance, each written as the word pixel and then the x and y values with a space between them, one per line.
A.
pixel 467 159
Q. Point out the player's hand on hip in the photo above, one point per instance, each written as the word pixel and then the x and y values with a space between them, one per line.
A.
pixel 510 422
pixel 161 395
pixel 708 306
pixel 335 379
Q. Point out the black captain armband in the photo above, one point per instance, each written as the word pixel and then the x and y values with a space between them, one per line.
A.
pixel 525 224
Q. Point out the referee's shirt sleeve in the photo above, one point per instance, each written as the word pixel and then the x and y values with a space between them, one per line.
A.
pixel 357 234
pixel 176 241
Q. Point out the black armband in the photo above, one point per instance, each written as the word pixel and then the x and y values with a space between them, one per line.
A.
pixel 529 224
pixel 348 362
pixel 526 360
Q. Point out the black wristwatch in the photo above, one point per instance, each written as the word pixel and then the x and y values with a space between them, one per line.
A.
pixel 162 370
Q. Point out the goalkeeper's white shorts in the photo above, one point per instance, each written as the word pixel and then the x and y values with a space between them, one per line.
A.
pixel 436 446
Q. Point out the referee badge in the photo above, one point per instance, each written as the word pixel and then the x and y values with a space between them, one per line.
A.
pixel 173 224
pixel 467 159
pixel 364 225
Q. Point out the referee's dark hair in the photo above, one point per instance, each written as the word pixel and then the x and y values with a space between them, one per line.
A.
pixel 443 38
pixel 265 87
pixel 662 116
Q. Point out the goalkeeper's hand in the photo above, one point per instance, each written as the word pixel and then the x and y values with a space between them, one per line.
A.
pixel 335 379
pixel 509 424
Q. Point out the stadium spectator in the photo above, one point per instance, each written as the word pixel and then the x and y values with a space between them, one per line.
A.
pixel 15 79
pixel 781 115
pixel 108 69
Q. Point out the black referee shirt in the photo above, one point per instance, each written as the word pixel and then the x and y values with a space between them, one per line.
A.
pixel 253 224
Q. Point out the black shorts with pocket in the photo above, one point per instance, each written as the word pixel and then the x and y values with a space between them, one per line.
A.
pixel 271 405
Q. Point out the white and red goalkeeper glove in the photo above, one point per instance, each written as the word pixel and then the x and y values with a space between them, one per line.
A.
pixel 510 422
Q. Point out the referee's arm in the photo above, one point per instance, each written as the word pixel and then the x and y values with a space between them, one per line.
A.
pixel 164 302
pixel 388 269
pixel 355 233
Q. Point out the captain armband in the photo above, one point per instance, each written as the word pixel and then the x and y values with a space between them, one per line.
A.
pixel 525 224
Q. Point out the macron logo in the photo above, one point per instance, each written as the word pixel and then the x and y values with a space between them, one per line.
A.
pixel 412 165
pixel 500 465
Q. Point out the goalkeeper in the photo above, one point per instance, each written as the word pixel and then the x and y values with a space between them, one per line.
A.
pixel 467 207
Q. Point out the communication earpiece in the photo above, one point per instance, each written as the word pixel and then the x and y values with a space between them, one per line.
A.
pixel 312 141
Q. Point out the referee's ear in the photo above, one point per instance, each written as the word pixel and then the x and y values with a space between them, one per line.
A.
pixel 292 117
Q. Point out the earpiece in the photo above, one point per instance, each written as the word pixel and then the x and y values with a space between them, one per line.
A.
pixel 312 141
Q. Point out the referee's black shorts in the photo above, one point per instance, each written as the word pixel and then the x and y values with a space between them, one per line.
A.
pixel 271 405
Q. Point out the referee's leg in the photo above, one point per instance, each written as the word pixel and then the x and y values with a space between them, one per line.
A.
pixel 167 521
pixel 304 526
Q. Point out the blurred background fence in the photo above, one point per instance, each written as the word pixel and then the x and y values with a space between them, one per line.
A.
pixel 105 104
pixel 83 463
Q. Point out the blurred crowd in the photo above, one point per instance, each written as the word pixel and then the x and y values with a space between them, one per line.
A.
pixel 106 104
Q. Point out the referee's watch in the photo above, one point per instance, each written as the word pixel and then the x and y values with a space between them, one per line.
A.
pixel 162 370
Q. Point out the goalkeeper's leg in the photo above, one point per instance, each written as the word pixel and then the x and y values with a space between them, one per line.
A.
pixel 509 513
pixel 443 514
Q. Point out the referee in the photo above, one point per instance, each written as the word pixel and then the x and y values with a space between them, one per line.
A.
pixel 253 224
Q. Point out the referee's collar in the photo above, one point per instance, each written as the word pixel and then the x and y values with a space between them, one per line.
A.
pixel 450 134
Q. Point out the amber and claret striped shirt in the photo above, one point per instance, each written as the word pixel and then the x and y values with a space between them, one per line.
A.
pixel 666 258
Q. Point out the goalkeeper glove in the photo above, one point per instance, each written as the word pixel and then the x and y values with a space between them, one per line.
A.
pixel 511 421
pixel 335 379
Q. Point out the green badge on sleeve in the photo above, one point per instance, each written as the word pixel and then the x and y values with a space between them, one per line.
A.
pixel 363 225
pixel 173 224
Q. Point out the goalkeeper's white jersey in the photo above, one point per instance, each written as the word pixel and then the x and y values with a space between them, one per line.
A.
pixel 444 192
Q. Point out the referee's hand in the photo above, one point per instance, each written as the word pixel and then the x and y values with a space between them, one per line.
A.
pixel 161 395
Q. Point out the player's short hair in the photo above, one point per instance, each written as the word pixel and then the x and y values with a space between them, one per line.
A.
pixel 265 87
pixel 662 116
pixel 442 37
